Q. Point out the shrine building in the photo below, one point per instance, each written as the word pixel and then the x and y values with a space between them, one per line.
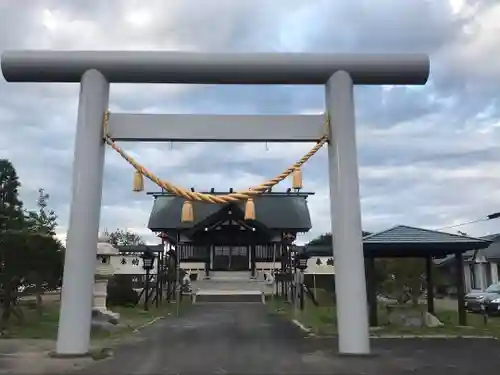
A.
pixel 218 238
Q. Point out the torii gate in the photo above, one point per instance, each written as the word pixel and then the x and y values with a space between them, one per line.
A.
pixel 96 70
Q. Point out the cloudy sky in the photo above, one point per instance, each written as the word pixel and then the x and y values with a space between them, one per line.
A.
pixel 429 156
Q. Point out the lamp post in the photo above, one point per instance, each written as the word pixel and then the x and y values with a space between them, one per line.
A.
pixel 287 240
pixel 301 259
pixel 148 260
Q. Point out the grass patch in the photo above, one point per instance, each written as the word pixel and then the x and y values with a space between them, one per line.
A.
pixel 33 325
pixel 44 326
pixel 322 320
pixel 100 354
pixel 475 326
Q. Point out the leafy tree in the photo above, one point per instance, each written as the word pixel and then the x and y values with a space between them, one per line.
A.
pixel 405 278
pixel 323 239
pixel 44 221
pixel 46 251
pixel 12 239
pixel 11 207
pixel 123 237
pixel 29 252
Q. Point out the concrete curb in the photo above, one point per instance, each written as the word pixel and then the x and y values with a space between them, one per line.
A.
pixel 153 321
pixel 466 337
pixel 303 327
pixel 382 336
pixel 433 337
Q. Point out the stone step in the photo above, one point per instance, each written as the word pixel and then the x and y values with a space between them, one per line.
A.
pixel 259 290
pixel 238 296
pixel 226 281
pixel 230 275
pixel 229 282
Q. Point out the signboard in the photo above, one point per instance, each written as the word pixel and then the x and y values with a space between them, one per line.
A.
pixel 130 265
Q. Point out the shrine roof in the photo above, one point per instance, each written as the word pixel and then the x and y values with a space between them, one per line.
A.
pixel 407 241
pixel 275 212
pixel 410 242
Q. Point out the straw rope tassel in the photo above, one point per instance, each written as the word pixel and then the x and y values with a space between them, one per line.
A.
pixel 138 182
pixel 297 179
pixel 187 212
pixel 250 209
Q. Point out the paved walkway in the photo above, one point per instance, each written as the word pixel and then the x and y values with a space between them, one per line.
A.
pixel 244 339
pixel 233 338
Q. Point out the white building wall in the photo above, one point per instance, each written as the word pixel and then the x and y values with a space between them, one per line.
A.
pixel 467 277
pixel 494 273
pixel 313 268
pixel 480 275
pixel 480 271
pixel 193 267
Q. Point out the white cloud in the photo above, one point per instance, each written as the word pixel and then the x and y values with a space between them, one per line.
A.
pixel 476 52
pixel 427 155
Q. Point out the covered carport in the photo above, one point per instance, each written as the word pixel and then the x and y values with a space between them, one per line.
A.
pixel 409 242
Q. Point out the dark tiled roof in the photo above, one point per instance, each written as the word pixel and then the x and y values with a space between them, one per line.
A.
pixel 467 256
pixel 406 241
pixel 491 237
pixel 279 212
pixel 406 234
pixel 492 252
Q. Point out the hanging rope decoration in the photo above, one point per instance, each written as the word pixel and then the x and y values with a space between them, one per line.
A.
pixel 190 196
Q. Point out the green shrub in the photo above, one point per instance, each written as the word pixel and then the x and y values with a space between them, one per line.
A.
pixel 121 292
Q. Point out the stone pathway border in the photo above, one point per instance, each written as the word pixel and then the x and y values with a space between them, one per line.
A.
pixel 152 321
pixel 389 336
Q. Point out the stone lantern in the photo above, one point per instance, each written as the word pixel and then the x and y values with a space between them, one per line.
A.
pixel 104 271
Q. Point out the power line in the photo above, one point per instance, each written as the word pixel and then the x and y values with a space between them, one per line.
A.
pixel 462 224
pixel 492 216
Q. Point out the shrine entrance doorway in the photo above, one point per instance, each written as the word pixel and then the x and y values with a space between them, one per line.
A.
pixel 230 258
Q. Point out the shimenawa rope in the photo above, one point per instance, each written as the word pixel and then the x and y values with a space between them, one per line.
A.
pixel 210 198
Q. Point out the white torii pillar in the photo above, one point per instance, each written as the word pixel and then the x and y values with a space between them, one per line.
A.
pixel 350 284
pixel 95 69
pixel 73 335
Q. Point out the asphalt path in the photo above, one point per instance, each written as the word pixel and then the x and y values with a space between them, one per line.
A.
pixel 243 338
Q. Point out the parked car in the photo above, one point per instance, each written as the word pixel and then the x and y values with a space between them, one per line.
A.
pixel 487 301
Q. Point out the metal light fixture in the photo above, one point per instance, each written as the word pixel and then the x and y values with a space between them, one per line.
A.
pixel 301 261
pixel 288 238
pixel 148 259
